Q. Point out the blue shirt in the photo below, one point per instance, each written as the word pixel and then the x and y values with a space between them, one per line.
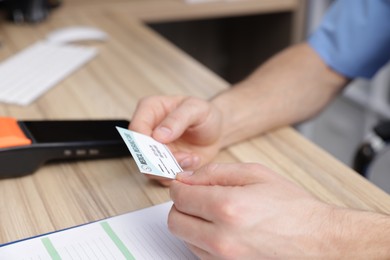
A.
pixel 354 37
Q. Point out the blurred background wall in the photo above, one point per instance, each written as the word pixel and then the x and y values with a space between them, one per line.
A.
pixel 233 47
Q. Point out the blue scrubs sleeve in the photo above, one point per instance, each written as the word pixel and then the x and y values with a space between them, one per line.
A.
pixel 354 37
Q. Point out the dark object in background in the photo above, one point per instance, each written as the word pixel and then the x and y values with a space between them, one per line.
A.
pixel 55 141
pixel 371 148
pixel 30 11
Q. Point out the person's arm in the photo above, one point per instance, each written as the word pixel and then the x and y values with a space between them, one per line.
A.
pixel 361 234
pixel 246 211
pixel 291 87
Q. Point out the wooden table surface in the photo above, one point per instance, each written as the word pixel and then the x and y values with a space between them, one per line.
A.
pixel 180 10
pixel 168 10
pixel 133 63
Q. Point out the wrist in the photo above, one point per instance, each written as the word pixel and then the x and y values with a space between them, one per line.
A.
pixel 359 235
pixel 239 114
pixel 221 103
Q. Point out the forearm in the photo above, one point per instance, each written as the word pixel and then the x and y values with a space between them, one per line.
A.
pixel 291 87
pixel 360 235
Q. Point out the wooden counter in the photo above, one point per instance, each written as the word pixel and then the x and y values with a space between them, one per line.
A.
pixel 133 63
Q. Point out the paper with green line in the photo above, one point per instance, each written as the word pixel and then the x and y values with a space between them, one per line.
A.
pixel 140 234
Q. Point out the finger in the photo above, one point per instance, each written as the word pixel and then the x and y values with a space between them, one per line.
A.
pixel 191 112
pixel 196 200
pixel 150 111
pixel 196 232
pixel 237 174
pixel 160 180
pixel 186 160
pixel 200 253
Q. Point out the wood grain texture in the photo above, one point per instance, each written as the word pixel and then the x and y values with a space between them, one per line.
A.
pixel 173 10
pixel 133 63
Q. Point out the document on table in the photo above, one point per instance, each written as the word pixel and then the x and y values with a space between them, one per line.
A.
pixel 141 234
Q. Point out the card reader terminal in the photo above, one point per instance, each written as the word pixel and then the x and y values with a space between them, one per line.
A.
pixel 27 145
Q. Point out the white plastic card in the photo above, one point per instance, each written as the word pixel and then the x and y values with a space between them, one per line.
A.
pixel 151 157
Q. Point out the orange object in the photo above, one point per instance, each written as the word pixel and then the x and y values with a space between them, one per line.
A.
pixel 11 134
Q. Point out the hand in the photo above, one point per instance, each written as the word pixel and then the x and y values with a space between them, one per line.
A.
pixel 246 211
pixel 191 127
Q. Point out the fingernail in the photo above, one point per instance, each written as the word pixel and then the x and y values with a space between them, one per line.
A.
pixel 164 132
pixel 186 163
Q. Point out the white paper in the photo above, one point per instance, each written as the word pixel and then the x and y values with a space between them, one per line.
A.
pixel 33 71
pixel 152 157
pixel 140 234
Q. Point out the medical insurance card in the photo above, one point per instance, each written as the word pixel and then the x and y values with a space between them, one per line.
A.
pixel 151 156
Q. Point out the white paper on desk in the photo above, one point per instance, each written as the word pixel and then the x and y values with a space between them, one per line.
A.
pixel 33 71
pixel 140 234
pixel 151 156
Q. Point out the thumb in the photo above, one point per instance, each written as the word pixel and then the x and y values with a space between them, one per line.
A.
pixel 236 174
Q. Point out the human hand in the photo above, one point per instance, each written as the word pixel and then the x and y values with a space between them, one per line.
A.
pixel 246 211
pixel 190 127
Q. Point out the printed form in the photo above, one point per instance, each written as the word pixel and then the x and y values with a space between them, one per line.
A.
pixel 141 234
